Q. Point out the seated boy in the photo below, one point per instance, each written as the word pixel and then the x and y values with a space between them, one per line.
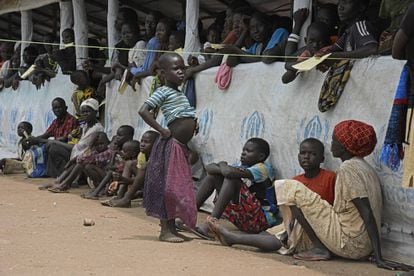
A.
pixel 322 182
pixel 124 200
pixel 119 163
pixel 15 165
pixel 243 191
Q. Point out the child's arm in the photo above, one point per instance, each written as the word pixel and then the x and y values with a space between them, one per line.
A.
pixel 299 18
pixel 232 172
pixel 148 117
pixel 213 168
pixel 362 52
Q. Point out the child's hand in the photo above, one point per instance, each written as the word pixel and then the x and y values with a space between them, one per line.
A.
pixel 113 186
pixel 165 133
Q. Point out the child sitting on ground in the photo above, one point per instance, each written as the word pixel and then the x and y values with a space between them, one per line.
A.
pixel 130 150
pixel 169 190
pixel 120 163
pixel 245 194
pixel 83 91
pixel 97 154
pixel 125 133
pixel 15 165
pixel 124 200
pixel 322 182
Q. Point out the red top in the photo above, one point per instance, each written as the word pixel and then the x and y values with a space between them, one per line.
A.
pixel 62 128
pixel 323 184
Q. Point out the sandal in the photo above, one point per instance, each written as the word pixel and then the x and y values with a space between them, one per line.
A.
pixel 57 190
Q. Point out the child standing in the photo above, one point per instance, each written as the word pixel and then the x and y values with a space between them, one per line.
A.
pixel 169 191
pixel 245 194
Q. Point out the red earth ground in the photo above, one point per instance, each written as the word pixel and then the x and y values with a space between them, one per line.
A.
pixel 42 233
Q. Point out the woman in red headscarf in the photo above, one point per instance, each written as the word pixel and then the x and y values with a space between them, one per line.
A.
pixel 350 227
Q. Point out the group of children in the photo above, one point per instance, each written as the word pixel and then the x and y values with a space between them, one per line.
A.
pixel 159 168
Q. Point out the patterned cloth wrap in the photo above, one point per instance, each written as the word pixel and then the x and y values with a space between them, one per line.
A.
pixel 251 214
pixel 334 84
pixel 169 190
pixel 357 137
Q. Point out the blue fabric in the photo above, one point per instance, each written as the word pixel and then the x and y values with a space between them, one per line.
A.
pixel 153 44
pixel 392 150
pixel 278 36
pixel 190 92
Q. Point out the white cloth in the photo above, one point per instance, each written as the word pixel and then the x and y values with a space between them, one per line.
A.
pixel 136 55
pixel 86 139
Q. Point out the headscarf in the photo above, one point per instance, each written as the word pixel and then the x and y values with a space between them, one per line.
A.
pixel 92 103
pixel 357 137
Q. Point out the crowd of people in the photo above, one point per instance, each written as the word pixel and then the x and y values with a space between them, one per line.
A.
pixel 323 213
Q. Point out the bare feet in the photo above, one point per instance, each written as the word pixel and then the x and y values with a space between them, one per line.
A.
pixel 220 233
pixel 121 203
pixel 314 254
pixel 170 237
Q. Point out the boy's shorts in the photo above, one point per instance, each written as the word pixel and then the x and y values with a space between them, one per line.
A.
pixel 247 215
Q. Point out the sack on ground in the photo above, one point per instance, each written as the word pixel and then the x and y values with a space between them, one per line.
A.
pixel 35 161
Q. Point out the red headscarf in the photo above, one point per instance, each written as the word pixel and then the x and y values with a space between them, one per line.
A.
pixel 357 137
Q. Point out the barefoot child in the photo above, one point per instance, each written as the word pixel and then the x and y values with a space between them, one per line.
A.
pixel 320 181
pixel 119 163
pixel 98 154
pixel 15 165
pixel 168 191
pixel 243 191
pixel 147 141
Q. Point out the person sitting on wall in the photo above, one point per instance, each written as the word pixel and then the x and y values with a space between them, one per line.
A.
pixel 46 64
pixel 83 90
pixel 66 57
pixel 358 40
pixel 6 53
pixel 29 56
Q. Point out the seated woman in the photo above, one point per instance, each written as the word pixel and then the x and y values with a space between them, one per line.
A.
pixel 350 228
pixel 66 153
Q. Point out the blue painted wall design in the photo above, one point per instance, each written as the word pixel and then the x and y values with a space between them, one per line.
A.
pixel 205 121
pixel 49 117
pixel 252 126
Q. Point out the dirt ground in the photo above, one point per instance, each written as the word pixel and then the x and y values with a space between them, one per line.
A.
pixel 42 233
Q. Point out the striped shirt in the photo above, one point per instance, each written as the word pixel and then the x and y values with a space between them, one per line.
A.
pixel 358 35
pixel 173 104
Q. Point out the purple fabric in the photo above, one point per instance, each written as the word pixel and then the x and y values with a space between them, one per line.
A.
pixel 169 191
pixel 179 189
